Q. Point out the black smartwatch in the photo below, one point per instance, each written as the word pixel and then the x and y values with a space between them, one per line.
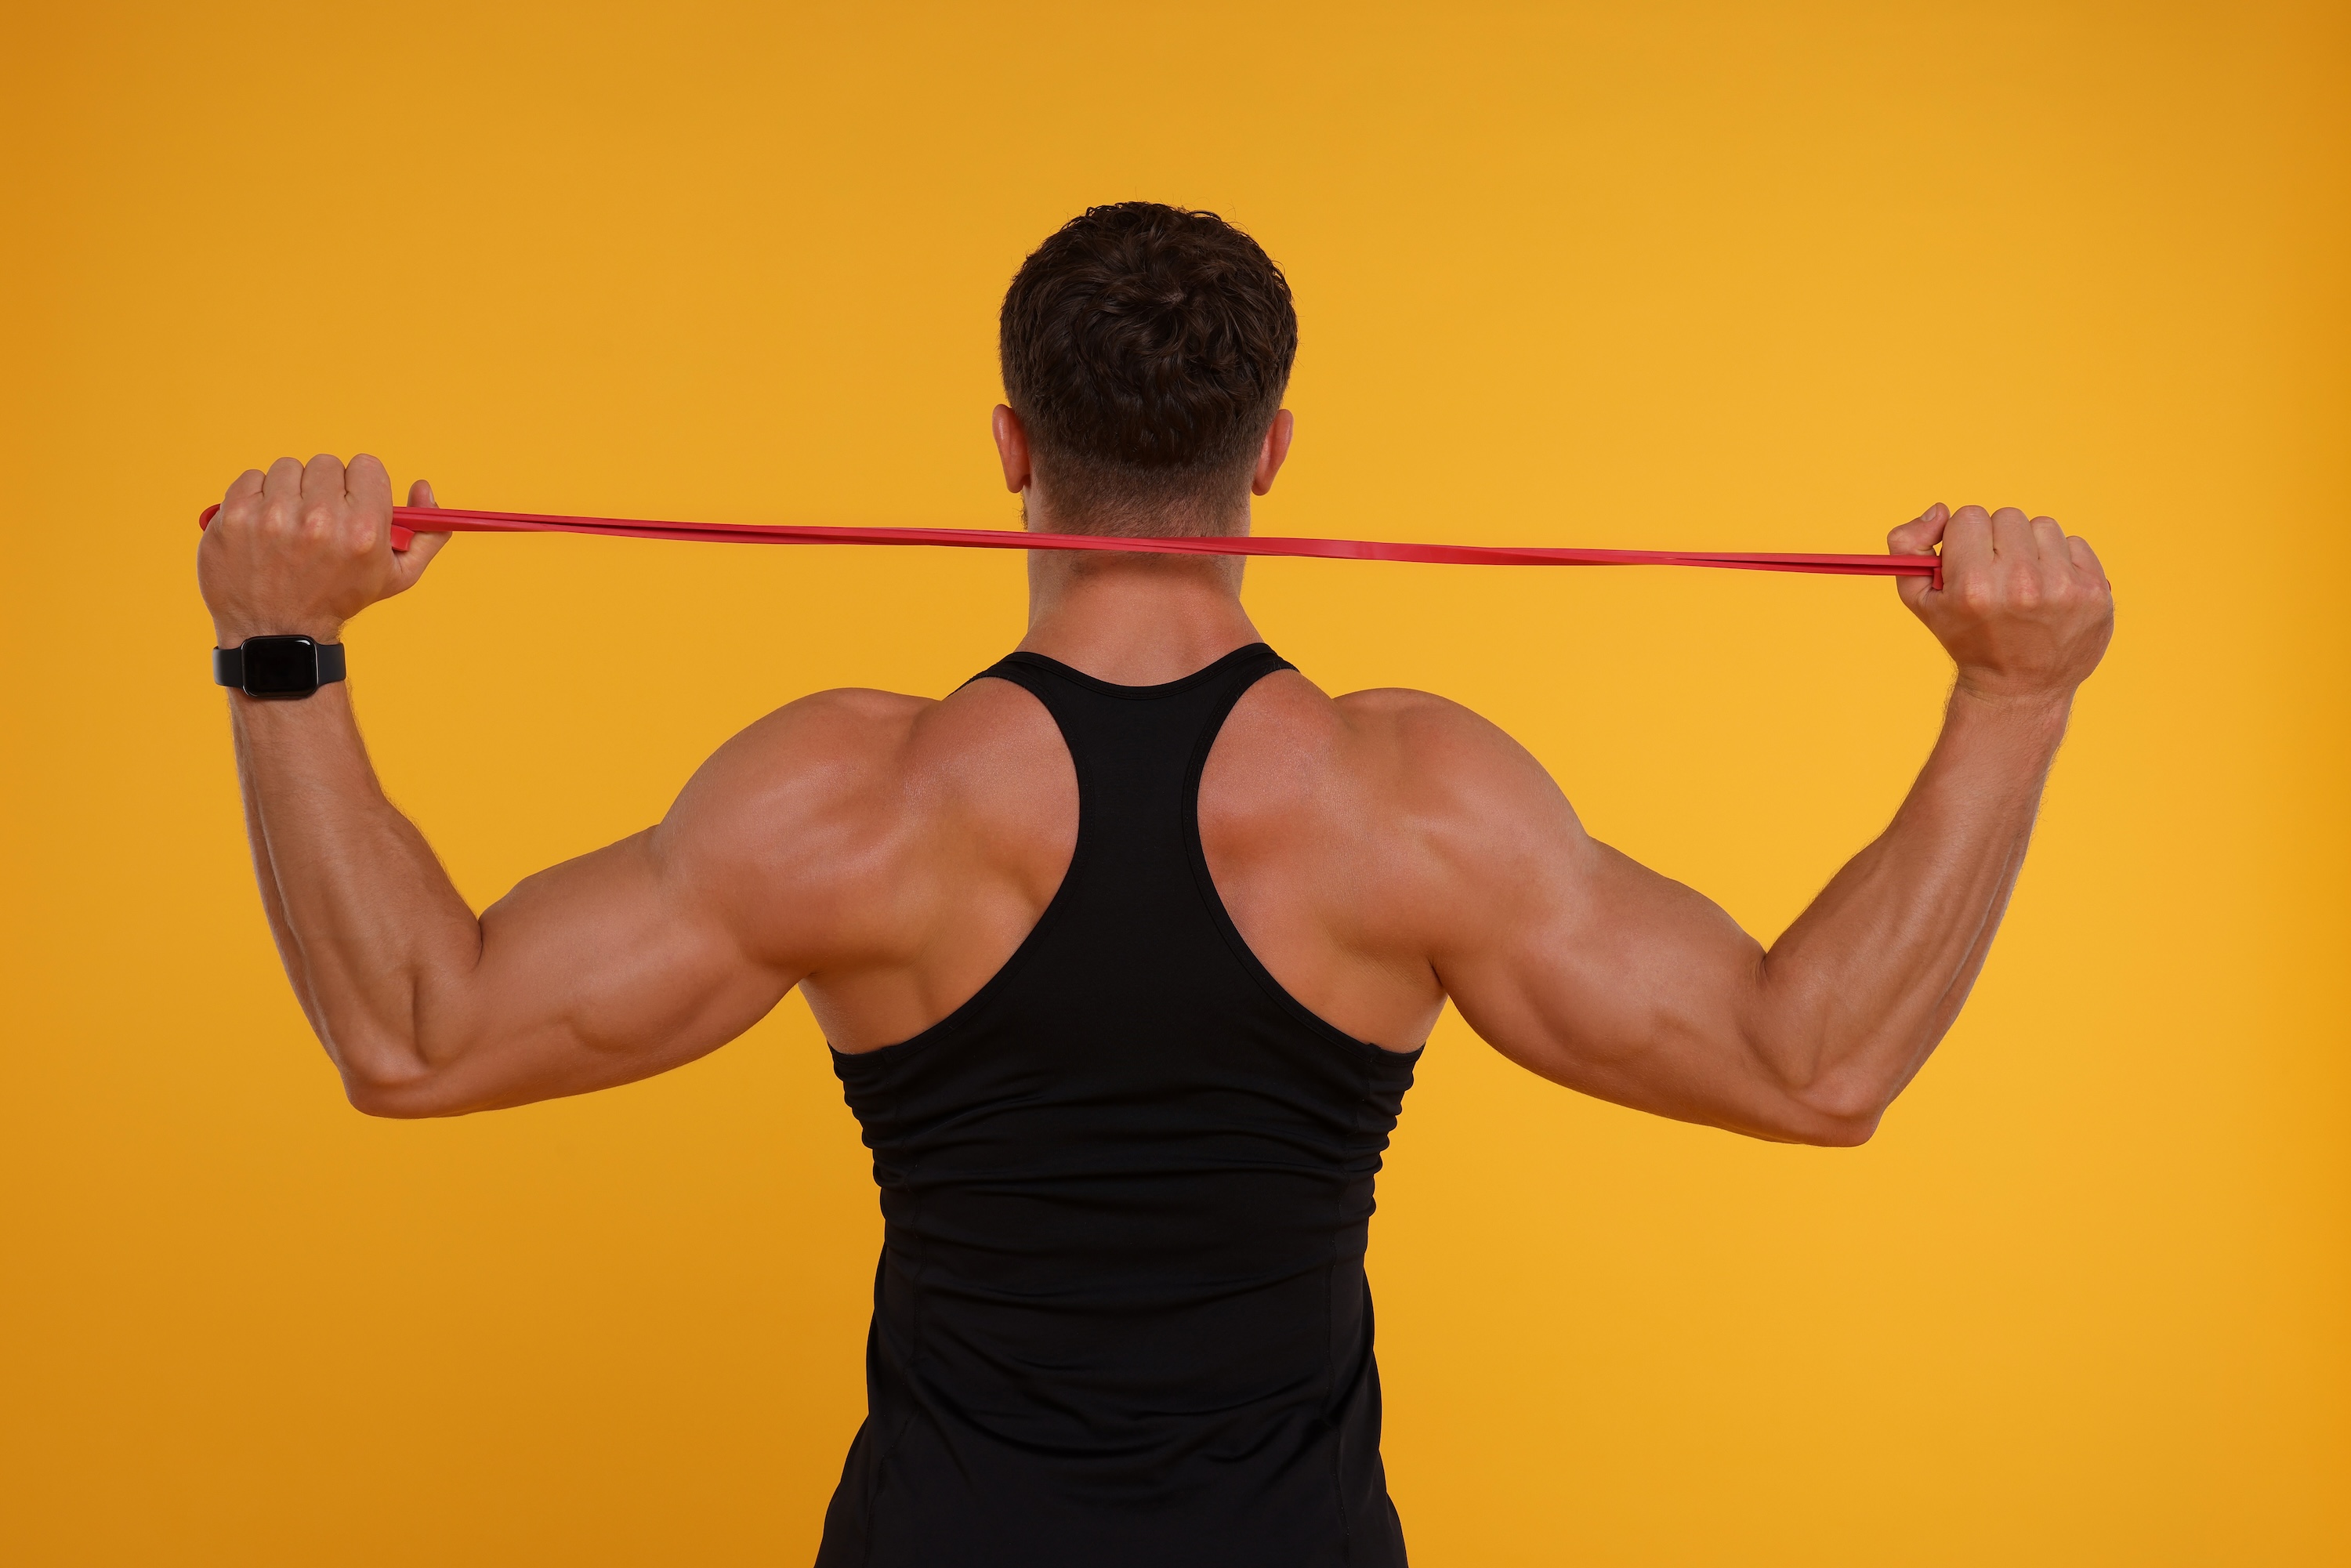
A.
pixel 278 667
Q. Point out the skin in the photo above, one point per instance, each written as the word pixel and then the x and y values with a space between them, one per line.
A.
pixel 1382 852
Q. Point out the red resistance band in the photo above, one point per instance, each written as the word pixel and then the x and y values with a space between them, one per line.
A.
pixel 408 521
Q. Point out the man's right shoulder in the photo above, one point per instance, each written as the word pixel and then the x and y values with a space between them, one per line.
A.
pixel 826 746
pixel 844 768
pixel 824 828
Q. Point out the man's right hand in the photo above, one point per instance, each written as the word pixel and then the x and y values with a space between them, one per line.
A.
pixel 305 547
pixel 2024 611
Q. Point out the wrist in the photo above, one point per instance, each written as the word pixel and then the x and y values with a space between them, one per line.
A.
pixel 2047 706
pixel 233 631
pixel 334 696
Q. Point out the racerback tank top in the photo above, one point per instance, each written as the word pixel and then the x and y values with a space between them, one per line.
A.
pixel 1121 1319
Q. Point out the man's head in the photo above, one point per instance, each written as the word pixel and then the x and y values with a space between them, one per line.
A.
pixel 1144 349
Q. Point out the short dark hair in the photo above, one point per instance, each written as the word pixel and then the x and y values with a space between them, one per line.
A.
pixel 1146 349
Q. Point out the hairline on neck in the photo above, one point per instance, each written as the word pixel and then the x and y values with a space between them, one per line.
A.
pixel 1139 517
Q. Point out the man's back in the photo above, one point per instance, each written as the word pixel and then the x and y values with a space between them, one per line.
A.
pixel 1121 1314
pixel 925 838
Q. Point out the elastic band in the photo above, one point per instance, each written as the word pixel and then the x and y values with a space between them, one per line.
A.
pixel 408 521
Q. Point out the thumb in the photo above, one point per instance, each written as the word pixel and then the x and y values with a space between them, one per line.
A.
pixel 421 547
pixel 1918 537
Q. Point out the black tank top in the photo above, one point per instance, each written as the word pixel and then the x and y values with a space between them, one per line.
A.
pixel 1121 1319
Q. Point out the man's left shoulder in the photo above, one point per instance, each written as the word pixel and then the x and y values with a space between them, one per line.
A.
pixel 1428 740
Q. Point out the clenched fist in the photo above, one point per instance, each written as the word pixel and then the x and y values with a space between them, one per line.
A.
pixel 305 547
pixel 2025 611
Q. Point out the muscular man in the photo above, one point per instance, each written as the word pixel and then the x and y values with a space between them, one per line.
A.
pixel 1126 948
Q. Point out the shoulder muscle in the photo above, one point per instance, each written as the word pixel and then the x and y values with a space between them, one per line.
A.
pixel 1477 823
pixel 783 821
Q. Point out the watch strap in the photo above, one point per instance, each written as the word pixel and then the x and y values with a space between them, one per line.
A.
pixel 228 664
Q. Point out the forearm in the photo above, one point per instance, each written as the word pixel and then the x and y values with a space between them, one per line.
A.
pixel 272 903
pixel 368 924
pixel 1856 994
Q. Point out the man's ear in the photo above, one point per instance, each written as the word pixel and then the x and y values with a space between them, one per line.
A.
pixel 1012 447
pixel 1269 456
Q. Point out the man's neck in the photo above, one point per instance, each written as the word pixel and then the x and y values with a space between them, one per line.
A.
pixel 1134 620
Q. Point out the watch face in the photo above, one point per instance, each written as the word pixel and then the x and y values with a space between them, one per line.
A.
pixel 280 666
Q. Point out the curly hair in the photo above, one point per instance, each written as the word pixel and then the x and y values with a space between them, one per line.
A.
pixel 1146 349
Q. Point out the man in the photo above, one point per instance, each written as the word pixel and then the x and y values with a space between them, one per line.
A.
pixel 1126 951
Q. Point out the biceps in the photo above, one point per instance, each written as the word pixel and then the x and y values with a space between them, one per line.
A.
pixel 601 970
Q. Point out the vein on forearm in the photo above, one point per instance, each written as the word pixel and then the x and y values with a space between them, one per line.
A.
pixel 357 900
pixel 1921 904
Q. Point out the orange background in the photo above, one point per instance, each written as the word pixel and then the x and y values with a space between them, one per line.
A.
pixel 1739 277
